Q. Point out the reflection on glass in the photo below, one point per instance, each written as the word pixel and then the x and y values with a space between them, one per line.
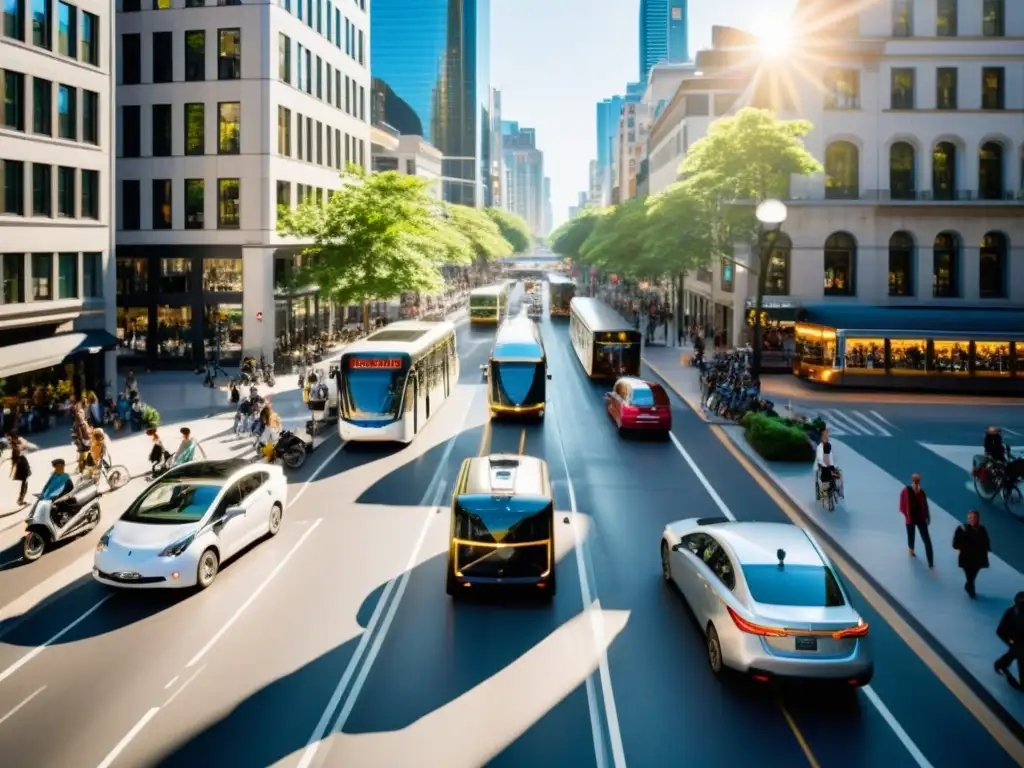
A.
pixel 222 331
pixel 951 357
pixel 132 330
pixel 174 275
pixel 992 358
pixel 908 355
pixel 132 276
pixel 174 326
pixel 865 355
pixel 222 275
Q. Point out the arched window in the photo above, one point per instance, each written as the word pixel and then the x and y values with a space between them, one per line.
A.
pixel 842 171
pixel 992 266
pixel 990 171
pixel 777 275
pixel 901 264
pixel 902 171
pixel 946 266
pixel 944 171
pixel 840 263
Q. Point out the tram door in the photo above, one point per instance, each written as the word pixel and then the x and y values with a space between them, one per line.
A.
pixel 415 404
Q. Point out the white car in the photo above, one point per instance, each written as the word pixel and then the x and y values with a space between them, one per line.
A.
pixel 189 521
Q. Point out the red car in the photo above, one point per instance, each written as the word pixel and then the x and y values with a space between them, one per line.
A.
pixel 635 404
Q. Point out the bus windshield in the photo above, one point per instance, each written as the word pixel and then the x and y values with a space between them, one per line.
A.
pixel 505 520
pixel 561 294
pixel 517 383
pixel 372 385
pixel 618 358
pixel 483 302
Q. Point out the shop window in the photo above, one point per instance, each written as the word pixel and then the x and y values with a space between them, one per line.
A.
pixel 92 275
pixel 950 357
pixel 908 356
pixel 222 275
pixel 222 331
pixel 902 171
pixel 174 330
pixel 840 265
pixel 865 355
pixel 42 276
pixel 990 171
pixel 901 264
pixel 13 278
pixel 992 267
pixel 946 266
pixel 992 358
pixel 175 275
pixel 944 176
pixel 777 277
pixel 132 330
pixel 132 276
pixel 67 276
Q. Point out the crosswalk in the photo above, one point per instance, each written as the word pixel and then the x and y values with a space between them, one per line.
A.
pixel 846 423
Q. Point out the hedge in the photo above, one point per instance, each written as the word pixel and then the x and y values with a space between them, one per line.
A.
pixel 775 439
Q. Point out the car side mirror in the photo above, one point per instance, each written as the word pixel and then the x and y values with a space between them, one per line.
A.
pixel 549 377
pixel 677 547
pixel 233 512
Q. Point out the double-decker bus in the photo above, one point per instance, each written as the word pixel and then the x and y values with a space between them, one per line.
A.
pixel 517 371
pixel 502 526
pixel 561 290
pixel 608 347
pixel 393 381
pixel 489 304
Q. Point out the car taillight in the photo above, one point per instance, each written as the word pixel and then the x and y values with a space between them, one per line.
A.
pixel 861 630
pixel 754 629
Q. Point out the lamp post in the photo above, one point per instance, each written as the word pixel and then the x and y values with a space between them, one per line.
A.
pixel 771 214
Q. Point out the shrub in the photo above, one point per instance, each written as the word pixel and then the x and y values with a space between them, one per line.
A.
pixel 150 416
pixel 775 440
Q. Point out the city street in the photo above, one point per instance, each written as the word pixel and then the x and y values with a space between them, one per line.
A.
pixel 334 644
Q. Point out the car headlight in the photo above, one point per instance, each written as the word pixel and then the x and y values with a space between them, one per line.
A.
pixel 104 542
pixel 179 546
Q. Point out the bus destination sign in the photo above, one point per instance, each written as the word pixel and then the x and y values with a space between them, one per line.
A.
pixel 375 363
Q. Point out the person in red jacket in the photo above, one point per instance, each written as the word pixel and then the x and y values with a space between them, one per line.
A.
pixel 914 508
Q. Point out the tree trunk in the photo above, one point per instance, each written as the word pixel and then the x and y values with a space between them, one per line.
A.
pixel 762 278
pixel 680 323
pixel 366 316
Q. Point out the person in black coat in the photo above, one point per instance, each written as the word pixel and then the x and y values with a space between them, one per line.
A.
pixel 20 469
pixel 972 542
pixel 1011 632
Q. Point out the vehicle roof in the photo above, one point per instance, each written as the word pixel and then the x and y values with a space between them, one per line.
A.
pixel 408 336
pixel 966 322
pixel 209 469
pixel 518 338
pixel 597 315
pixel 637 383
pixel 554 278
pixel 758 543
pixel 490 290
pixel 527 476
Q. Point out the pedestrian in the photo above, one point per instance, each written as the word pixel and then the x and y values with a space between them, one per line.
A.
pixel 914 508
pixel 81 436
pixel 972 542
pixel 130 383
pixel 20 469
pixel 1011 632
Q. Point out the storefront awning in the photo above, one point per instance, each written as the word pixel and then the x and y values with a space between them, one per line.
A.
pixel 36 355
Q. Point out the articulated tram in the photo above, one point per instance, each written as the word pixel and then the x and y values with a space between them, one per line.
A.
pixel 517 371
pixel 561 290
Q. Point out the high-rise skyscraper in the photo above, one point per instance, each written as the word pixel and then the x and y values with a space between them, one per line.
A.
pixel 663 34
pixel 524 173
pixel 435 58
pixel 497 156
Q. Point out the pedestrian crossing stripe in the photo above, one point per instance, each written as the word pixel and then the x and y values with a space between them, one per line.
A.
pixel 843 423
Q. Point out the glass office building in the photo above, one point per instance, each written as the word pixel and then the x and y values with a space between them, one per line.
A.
pixel 432 58
pixel 663 34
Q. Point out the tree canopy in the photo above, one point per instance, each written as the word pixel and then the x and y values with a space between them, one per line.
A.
pixel 568 239
pixel 513 228
pixel 481 231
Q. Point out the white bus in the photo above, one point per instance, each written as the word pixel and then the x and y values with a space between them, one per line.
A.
pixel 393 381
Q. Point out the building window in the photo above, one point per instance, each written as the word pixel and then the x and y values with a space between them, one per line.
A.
pixel 132 327
pixel 842 89
pixel 161 203
pixel 993 17
pixel 90 194
pixel 945 88
pixel 14 278
pixel 319 78
pixel 284 131
pixel 902 87
pixel 842 171
pixel 67 30
pixel 175 276
pixel 222 331
pixel 309 139
pixel 67 113
pixel 362 104
pixel 14 187
pixel 360 59
pixel 946 266
pixel 902 171
pixel 991 171
pixel 131 143
pixel 284 195
pixel 840 263
pixel 945 21
pixel 299 147
pixel 319 143
pixel 42 24
pixel 195 203
pixel 227 204
pixel 131 59
pixel 944 176
pixel 284 59
pixel 90 39
pixel 777 276
pixel 992 266
pixel 132 276
pixel 67 276
pixel 92 275
pixel 174 332
pixel 993 91
pixel 229 128
pixel 14 19
pixel 42 276
pixel 222 275
pixel 161 130
pixel 229 54
pixel 195 129
pixel 42 106
pixel 903 18
pixel 195 55
pixel 330 162
pixel 163 57
pixel 309 71
pixel 298 64
pixel 42 189
pixel 901 264
pixel 90 117
pixel 14 100
pixel 131 207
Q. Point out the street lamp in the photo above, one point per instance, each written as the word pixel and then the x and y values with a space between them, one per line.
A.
pixel 770 215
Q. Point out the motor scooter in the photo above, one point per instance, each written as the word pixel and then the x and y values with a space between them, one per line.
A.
pixel 289 448
pixel 50 522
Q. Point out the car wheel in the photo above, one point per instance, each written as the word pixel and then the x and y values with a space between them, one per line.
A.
pixel 206 571
pixel 276 515
pixel 714 651
pixel 666 564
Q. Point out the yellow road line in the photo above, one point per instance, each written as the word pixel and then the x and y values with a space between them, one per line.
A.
pixel 522 441
pixel 799 736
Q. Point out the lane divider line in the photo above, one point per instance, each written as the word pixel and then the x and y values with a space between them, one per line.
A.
pixel 726 512
pixel 798 735
pixel 522 441
pixel 20 706
pixel 128 737
pixel 182 687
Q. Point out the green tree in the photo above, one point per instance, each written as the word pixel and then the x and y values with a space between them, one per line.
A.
pixel 378 236
pixel 617 241
pixel 679 235
pixel 569 238
pixel 482 232
pixel 513 228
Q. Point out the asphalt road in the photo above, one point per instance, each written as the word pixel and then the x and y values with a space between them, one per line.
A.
pixel 334 644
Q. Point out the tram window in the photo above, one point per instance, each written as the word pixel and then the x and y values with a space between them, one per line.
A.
pixel 814 350
pixel 908 355
pixel 865 355
pixel 950 357
pixel 992 358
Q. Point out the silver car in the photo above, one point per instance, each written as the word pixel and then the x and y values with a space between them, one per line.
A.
pixel 768 599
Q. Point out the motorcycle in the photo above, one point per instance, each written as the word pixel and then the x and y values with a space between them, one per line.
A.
pixel 289 448
pixel 50 522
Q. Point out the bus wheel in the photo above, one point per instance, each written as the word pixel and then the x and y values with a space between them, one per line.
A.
pixel 450 585
pixel 551 588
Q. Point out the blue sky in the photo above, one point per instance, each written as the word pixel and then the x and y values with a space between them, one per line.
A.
pixel 555 59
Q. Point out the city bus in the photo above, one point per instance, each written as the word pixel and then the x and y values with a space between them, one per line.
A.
pixel 391 383
pixel 607 346
pixel 517 370
pixel 561 290
pixel 502 525
pixel 490 304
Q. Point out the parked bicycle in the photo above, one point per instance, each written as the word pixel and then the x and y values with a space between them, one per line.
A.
pixel 1000 478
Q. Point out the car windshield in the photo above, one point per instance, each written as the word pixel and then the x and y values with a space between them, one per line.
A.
pixel 803 586
pixel 176 501
pixel 643 397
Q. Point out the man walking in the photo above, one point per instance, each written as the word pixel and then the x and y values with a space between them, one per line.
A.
pixel 972 542
pixel 1011 632
pixel 914 508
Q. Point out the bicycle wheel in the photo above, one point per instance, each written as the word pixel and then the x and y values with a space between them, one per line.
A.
pixel 986 491
pixel 117 477
pixel 1013 501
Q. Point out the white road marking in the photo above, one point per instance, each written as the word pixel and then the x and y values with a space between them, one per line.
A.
pixel 182 687
pixel 846 423
pixel 136 729
pixel 315 475
pixel 18 708
pixel 884 420
pixel 40 648
pixel 882 430
pixel 726 512
pixel 173 681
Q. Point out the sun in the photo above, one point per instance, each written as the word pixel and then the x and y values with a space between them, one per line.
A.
pixel 775 38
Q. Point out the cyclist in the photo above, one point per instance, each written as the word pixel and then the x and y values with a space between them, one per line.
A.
pixel 995 448
pixel 825 462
